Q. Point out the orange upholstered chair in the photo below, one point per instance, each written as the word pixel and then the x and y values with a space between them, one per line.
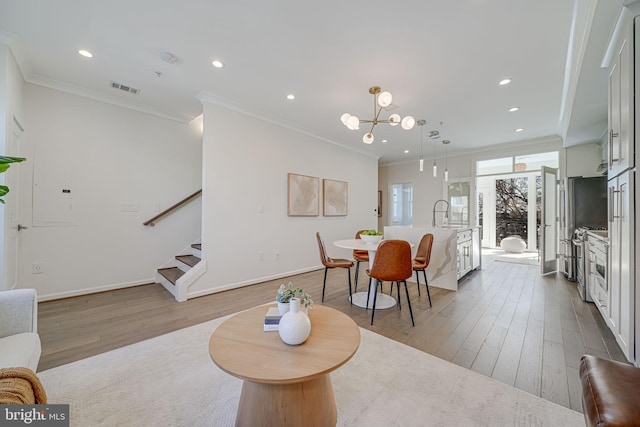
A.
pixel 359 256
pixel 392 264
pixel 332 263
pixel 421 261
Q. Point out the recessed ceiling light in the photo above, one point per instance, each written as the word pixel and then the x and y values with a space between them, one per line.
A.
pixel 519 130
pixel 85 53
pixel 217 64
pixel 406 151
pixel 512 109
pixel 384 141
pixel 504 82
pixel 291 96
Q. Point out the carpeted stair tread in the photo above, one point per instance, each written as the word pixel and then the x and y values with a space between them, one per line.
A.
pixel 197 246
pixel 172 274
pixel 190 260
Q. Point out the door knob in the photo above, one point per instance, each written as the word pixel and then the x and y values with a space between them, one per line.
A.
pixel 22 227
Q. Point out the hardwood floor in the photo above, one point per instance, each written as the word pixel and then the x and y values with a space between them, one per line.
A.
pixel 506 322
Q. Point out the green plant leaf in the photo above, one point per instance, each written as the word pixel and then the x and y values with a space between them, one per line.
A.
pixel 7 159
pixel 3 190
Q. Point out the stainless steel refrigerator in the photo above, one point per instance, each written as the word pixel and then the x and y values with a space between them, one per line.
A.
pixel 583 203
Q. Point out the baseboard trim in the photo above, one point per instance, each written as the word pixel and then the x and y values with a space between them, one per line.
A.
pixel 236 285
pixel 86 291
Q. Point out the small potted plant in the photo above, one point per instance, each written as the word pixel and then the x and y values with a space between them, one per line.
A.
pixel 285 293
pixel 372 237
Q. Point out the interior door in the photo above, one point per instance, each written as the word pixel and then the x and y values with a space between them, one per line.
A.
pixel 12 224
pixel 548 221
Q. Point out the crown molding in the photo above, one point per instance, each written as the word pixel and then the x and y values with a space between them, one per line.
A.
pixel 101 97
pixel 548 141
pixel 209 98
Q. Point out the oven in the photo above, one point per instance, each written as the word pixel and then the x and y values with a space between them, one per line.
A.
pixel 598 262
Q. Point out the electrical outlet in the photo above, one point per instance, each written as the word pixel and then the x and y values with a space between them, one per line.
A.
pixel 260 256
pixel 276 256
pixel 37 268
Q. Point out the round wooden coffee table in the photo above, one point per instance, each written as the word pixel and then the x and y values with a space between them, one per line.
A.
pixel 285 385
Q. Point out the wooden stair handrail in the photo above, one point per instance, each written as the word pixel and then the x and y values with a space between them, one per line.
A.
pixel 151 222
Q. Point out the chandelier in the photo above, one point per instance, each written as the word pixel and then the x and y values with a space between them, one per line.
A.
pixel 382 100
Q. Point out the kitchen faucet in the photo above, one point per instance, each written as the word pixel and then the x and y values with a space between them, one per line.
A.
pixel 446 211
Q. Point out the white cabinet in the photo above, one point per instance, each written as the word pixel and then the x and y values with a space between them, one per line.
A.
pixel 476 257
pixel 468 250
pixel 621 282
pixel 596 266
pixel 620 150
pixel 623 73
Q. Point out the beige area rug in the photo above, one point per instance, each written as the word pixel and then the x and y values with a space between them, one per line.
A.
pixel 171 381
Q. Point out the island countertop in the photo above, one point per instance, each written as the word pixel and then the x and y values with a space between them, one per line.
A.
pixel 443 266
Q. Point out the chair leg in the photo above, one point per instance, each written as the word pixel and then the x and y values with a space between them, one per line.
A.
pixel 350 294
pixel 398 286
pixel 366 307
pixel 357 271
pixel 418 282
pixel 426 284
pixel 375 297
pixel 408 301
pixel 324 283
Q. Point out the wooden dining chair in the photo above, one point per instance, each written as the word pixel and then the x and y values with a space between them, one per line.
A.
pixel 392 264
pixel 360 256
pixel 329 262
pixel 421 262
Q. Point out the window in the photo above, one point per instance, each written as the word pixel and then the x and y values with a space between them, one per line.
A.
pixel 525 163
pixel 402 204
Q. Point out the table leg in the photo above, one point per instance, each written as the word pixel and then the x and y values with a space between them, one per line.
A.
pixel 309 403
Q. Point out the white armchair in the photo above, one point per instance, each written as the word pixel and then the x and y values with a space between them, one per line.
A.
pixel 19 341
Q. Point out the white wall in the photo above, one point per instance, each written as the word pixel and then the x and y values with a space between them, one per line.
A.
pixel 245 163
pixel 106 156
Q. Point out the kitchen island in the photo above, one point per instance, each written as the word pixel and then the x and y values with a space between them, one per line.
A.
pixel 455 251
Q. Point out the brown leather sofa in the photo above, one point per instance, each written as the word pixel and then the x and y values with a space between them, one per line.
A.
pixel 610 392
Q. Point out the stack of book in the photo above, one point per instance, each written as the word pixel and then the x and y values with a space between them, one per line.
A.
pixel 272 319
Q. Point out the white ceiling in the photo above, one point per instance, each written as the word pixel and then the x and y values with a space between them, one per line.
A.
pixel 441 60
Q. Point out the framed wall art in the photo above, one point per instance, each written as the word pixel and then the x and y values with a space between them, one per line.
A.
pixel 335 197
pixel 303 195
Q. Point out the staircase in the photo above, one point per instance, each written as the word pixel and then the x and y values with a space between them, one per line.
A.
pixel 170 275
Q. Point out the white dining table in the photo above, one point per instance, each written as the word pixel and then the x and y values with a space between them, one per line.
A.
pixel 360 298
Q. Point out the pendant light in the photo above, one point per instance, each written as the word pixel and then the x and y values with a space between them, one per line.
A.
pixel 446 169
pixel 421 123
pixel 435 135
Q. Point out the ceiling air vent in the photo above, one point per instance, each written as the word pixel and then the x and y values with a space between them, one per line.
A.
pixel 125 88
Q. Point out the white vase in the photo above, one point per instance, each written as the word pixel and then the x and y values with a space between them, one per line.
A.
pixel 295 325
pixel 283 307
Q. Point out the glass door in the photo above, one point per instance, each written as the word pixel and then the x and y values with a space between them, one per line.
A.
pixel 548 224
pixel 509 205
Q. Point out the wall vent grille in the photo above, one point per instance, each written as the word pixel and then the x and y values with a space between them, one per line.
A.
pixel 125 88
